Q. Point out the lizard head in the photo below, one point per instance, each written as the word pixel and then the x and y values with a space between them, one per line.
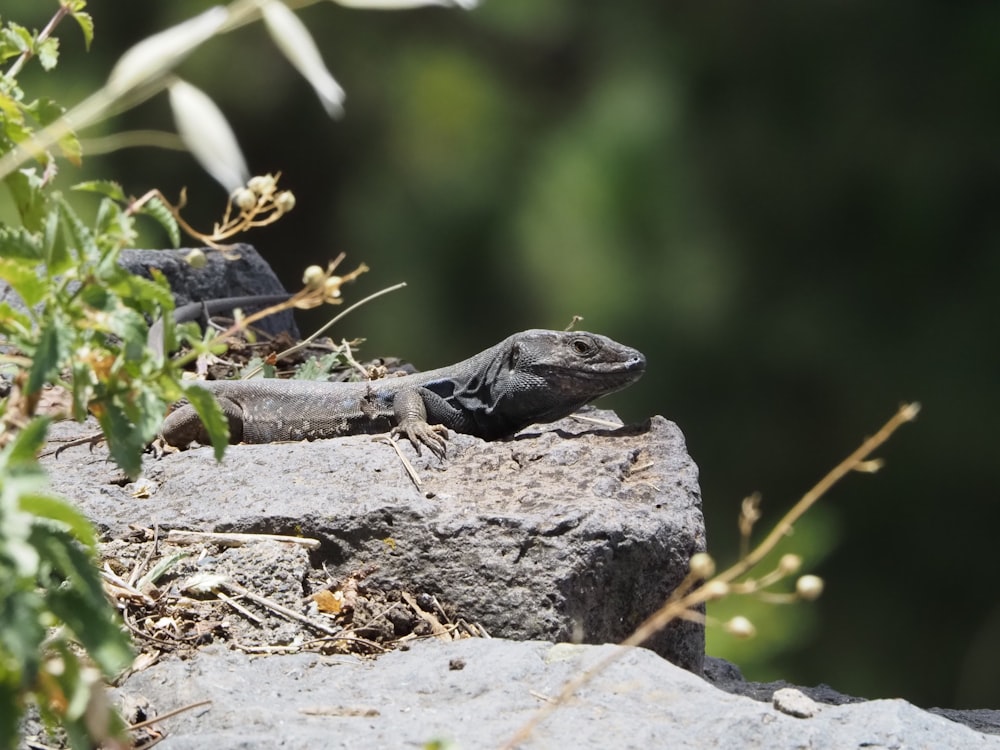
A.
pixel 546 375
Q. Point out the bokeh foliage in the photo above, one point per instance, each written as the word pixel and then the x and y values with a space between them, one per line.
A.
pixel 790 208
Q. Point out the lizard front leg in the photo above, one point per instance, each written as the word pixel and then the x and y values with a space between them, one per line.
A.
pixel 411 420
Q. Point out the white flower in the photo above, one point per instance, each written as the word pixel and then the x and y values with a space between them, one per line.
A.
pixel 207 135
pixel 294 40
pixel 158 54
pixel 404 4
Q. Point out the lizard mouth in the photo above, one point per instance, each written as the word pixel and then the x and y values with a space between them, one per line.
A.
pixel 598 378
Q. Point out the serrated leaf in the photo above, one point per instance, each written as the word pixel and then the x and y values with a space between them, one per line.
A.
pixel 211 416
pixel 54 509
pixel 50 234
pixel 130 418
pixel 115 228
pixel 18 37
pixel 80 237
pixel 148 295
pixel 10 109
pixel 71 148
pixel 52 350
pixel 48 53
pixel 86 23
pixel 45 110
pixel 110 188
pixel 120 434
pixel 29 195
pixel 18 242
pixel 24 278
pixel 159 211
pixel 131 328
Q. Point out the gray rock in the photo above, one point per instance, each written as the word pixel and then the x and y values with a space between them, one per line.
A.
pixel 794 702
pixel 237 271
pixel 567 532
pixel 411 698
pixel 727 676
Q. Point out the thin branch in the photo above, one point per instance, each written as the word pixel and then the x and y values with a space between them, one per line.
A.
pixel 675 608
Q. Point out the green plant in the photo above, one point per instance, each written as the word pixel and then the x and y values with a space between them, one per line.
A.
pixel 83 331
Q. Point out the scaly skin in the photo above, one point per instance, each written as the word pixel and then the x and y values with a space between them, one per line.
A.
pixel 532 376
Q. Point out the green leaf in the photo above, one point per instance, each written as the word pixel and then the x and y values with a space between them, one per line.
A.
pixel 18 242
pixel 110 188
pixel 81 238
pixel 45 110
pixel 13 323
pixel 50 234
pixel 11 697
pixel 86 23
pixel 149 296
pixel 21 632
pixel 10 109
pixel 211 416
pixel 54 509
pixel 18 37
pixel 48 53
pixel 80 602
pixel 130 419
pixel 125 449
pixel 30 197
pixel 71 148
pixel 24 278
pixel 52 350
pixel 158 210
pixel 23 449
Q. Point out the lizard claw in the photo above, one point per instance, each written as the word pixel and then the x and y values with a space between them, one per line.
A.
pixel 434 436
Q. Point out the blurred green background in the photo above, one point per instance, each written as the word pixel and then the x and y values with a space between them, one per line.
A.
pixel 791 208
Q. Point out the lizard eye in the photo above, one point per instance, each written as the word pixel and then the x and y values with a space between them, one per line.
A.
pixel 515 355
pixel 581 346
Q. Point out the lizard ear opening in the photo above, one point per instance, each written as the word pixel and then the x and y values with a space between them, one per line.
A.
pixel 515 355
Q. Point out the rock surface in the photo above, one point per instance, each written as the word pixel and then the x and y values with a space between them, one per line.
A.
pixel 477 693
pixel 568 532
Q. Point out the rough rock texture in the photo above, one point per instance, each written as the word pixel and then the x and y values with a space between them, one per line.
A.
pixel 570 531
pixel 235 272
pixel 477 693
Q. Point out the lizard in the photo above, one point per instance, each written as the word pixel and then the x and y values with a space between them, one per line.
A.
pixel 530 377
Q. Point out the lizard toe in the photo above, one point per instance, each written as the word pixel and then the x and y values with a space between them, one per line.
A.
pixel 423 434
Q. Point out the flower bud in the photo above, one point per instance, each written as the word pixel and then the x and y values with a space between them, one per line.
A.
pixel 261 184
pixel 789 564
pixel 313 277
pixel 245 199
pixel 740 627
pixel 701 565
pixel 196 258
pixel 809 587
pixel 285 201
